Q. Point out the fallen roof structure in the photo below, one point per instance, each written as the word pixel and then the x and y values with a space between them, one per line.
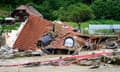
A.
pixel 34 29
pixel 39 33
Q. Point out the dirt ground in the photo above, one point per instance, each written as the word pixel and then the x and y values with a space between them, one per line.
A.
pixel 49 68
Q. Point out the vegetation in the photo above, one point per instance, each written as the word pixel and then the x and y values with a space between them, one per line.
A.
pixel 76 13
pixel 3 12
pixel 8 28
pixel 46 7
pixel 75 9
pixel 101 21
pixel 106 9
pixel 72 12
pixel 85 26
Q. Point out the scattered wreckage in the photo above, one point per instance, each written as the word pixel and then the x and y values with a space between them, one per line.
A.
pixel 38 36
pixel 61 61
pixel 113 58
pixel 42 36
pixel 93 60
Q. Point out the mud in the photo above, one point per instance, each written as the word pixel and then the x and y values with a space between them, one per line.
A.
pixel 49 68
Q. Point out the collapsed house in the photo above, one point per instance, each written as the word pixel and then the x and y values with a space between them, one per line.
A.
pixel 39 34
pixel 65 38
pixel 37 29
pixel 36 33
pixel 22 12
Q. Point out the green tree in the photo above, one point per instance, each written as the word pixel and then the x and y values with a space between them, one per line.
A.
pixel 49 7
pixel 46 7
pixel 76 13
pixel 106 9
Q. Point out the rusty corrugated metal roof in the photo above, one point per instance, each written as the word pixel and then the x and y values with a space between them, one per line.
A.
pixel 30 10
pixel 33 30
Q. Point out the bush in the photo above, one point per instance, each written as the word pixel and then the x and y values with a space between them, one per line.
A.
pixel 106 9
pixel 76 13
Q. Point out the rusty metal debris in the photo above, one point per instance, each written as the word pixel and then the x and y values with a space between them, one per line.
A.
pixel 62 61
pixel 33 30
pixel 113 58
pixel 40 34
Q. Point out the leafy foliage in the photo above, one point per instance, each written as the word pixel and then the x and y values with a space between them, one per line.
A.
pixel 46 7
pixel 77 13
pixel 103 9
pixel 106 9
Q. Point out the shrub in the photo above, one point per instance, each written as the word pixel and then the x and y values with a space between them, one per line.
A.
pixel 76 13
pixel 106 9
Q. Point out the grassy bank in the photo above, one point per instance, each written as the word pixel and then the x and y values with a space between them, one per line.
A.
pixel 85 25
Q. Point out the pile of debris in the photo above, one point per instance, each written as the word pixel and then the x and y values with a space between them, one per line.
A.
pixel 40 36
pixel 65 38
pixel 92 59
pixel 7 52
pixel 113 58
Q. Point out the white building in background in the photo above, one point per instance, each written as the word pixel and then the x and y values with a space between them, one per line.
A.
pixel 94 27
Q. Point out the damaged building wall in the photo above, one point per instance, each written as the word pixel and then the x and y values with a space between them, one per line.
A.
pixel 63 31
pixel 24 11
pixel 118 35
pixel 33 30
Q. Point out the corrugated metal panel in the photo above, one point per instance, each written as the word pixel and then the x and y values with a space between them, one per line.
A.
pixel 116 26
pixel 33 30
pixel 93 28
pixel 97 27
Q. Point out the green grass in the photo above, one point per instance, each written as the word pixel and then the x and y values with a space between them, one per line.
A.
pixel 10 27
pixel 105 31
pixel 3 12
pixel 86 25
pixel 73 24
